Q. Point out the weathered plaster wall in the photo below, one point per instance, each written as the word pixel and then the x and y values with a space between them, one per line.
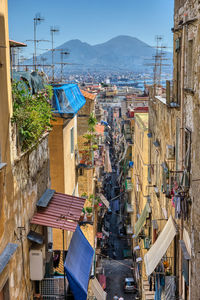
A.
pixel 30 174
pixel 189 12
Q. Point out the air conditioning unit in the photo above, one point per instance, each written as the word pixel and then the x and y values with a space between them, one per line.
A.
pixel 170 152
pixel 37 262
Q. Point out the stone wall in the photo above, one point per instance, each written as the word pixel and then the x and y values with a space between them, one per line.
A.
pixel 189 31
pixel 30 174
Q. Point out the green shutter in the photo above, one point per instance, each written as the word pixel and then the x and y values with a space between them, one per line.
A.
pixel 72 140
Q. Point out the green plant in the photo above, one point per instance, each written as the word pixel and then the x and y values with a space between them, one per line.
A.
pixel 31 114
pixel 89 209
pixel 84 195
pixel 95 147
pixel 97 200
pixel 91 198
pixel 83 210
pixel 92 121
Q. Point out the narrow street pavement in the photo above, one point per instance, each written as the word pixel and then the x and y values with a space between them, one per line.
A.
pixel 115 272
pixel 116 267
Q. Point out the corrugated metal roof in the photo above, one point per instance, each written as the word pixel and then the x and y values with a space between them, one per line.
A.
pixel 63 212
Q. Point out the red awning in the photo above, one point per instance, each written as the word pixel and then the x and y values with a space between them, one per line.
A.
pixel 63 212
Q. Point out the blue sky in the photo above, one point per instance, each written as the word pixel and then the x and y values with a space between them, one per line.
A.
pixel 90 21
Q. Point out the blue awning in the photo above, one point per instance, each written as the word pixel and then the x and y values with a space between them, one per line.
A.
pixel 67 99
pixel 78 264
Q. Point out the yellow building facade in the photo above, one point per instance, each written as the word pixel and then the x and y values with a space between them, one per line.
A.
pixel 140 193
pixel 62 145
pixel 24 177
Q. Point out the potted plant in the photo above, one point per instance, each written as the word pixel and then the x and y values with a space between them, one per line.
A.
pixel 97 202
pixel 82 215
pixel 85 196
pixel 89 213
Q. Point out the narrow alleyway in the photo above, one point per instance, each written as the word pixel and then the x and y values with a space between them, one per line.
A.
pixel 115 272
pixel 116 267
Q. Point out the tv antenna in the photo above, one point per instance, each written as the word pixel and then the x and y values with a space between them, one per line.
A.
pixel 53 31
pixel 158 58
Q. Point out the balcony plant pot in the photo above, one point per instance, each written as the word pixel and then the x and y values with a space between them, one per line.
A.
pixel 81 219
pixel 82 161
pixel 89 217
pixel 89 213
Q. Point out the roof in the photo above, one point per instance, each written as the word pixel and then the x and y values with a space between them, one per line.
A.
pixel 63 212
pixel 67 99
pixel 87 95
pixel 16 44
pixel 6 255
pixel 142 119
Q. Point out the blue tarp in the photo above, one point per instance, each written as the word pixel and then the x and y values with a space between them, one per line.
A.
pixel 104 123
pixel 31 80
pixel 67 99
pixel 78 264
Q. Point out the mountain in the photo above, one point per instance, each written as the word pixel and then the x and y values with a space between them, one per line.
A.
pixel 119 53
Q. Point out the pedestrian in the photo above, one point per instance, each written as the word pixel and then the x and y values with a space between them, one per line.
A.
pixel 115 297
pixel 121 298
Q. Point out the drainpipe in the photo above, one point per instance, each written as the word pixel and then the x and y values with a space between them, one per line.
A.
pixel 182 149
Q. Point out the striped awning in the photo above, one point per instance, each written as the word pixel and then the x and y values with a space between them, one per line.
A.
pixel 98 290
pixel 104 200
pixel 159 248
pixel 140 222
pixel 62 211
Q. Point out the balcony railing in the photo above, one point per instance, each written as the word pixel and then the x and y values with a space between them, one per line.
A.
pixel 129 208
pixel 53 288
pixel 128 185
pixel 84 158
pixel 129 229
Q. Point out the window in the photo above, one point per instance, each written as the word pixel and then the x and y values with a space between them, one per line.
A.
pixel 189 72
pixel 178 70
pixel 81 172
pixel 187 149
pixel 72 139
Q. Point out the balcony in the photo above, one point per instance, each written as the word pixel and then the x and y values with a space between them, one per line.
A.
pixel 129 229
pixel 129 208
pixel 128 185
pixel 53 288
pixel 84 158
